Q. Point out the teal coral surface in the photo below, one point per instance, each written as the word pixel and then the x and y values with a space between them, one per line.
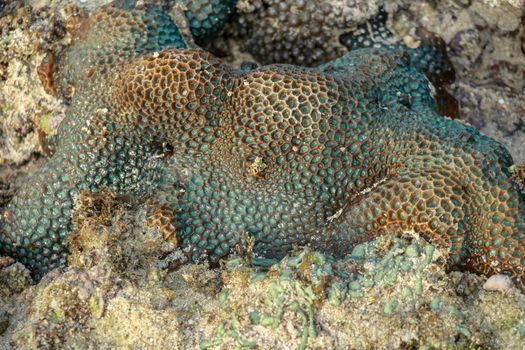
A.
pixel 207 17
pixel 327 157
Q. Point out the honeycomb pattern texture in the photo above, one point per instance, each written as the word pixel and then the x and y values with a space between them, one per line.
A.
pixel 327 157
pixel 108 38
pixel 314 32
pixel 207 17
pixel 113 35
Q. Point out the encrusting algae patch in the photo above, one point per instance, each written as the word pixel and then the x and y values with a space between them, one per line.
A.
pixel 127 252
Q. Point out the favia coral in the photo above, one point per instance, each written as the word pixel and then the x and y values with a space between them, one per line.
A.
pixel 327 157
pixel 299 32
pixel 207 17
pixel 314 32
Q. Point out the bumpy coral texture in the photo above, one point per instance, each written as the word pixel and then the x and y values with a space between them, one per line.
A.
pixel 314 32
pixel 430 55
pixel 112 36
pixel 207 17
pixel 327 157
pixel 297 31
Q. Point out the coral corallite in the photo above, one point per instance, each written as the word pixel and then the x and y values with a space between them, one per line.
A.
pixel 328 157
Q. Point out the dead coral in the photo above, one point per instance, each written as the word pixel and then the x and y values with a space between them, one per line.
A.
pixel 27 35
pixel 518 173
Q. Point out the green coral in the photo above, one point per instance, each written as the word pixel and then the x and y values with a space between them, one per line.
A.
pixel 207 17
pixel 351 149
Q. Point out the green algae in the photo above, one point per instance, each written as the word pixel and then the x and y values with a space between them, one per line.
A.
pixel 435 304
pixel 390 306
pixel 47 124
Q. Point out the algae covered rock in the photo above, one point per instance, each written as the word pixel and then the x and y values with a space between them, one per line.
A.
pixel 391 293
